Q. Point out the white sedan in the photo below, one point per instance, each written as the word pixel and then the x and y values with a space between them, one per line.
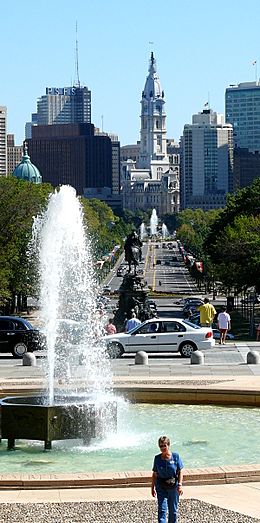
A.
pixel 161 335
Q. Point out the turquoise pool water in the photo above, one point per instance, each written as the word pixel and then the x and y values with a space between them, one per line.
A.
pixel 203 435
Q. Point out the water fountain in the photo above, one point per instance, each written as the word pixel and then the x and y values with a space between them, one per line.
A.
pixel 78 402
pixel 153 223
pixel 165 232
pixel 143 232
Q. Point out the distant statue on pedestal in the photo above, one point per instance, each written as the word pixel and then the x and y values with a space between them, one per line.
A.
pixel 133 251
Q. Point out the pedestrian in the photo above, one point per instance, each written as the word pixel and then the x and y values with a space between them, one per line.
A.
pixel 224 324
pixel 132 322
pixel 167 481
pixel 258 332
pixel 207 313
pixel 110 328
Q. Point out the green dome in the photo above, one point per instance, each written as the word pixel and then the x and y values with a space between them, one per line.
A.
pixel 25 170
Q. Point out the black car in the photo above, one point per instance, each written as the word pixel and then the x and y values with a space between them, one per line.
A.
pixel 18 336
pixel 152 305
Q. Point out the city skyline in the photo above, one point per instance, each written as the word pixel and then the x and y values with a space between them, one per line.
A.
pixel 200 50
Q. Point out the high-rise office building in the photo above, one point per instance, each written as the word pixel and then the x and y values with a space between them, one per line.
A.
pixel 14 153
pixel 61 105
pixel 3 141
pixel 72 154
pixel 207 161
pixel 115 164
pixel 64 105
pixel 243 112
pixel 29 125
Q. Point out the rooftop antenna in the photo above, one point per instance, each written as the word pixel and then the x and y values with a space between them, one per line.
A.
pixel 254 63
pixel 77 80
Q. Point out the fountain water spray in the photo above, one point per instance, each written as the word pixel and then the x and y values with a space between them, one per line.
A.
pixel 143 232
pixel 153 223
pixel 78 403
pixel 165 232
pixel 68 299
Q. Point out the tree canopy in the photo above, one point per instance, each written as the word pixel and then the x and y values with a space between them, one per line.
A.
pixel 233 243
pixel 19 202
pixel 227 240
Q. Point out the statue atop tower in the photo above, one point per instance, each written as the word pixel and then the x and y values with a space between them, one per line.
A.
pixel 153 147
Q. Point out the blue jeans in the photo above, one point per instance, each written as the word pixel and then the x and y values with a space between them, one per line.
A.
pixel 167 499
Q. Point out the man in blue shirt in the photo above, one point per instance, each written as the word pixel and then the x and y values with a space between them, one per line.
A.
pixel 132 323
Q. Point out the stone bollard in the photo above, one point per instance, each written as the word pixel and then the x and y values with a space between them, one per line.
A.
pixel 29 359
pixel 141 358
pixel 197 358
pixel 253 357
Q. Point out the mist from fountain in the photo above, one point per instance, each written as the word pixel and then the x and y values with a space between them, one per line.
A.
pixel 153 223
pixel 76 358
pixel 143 232
pixel 165 232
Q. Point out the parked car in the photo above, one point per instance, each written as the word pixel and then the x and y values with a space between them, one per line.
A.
pixel 18 336
pixel 120 272
pixel 216 335
pixel 191 305
pixel 185 301
pixel 152 304
pixel 161 335
pixel 106 289
pixel 250 299
pixel 195 318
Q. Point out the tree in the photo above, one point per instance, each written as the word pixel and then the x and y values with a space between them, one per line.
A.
pixel 243 202
pixel 193 227
pixel 233 242
pixel 19 202
pixel 106 229
pixel 237 251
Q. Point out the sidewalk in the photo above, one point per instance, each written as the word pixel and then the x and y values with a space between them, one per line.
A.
pixel 243 498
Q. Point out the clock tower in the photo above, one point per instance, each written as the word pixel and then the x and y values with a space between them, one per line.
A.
pixel 153 147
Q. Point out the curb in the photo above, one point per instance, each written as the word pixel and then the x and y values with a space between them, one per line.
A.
pixel 192 477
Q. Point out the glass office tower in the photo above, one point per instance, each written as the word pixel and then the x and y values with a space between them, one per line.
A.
pixel 243 112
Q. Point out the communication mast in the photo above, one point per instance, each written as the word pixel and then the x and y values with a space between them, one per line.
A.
pixel 77 80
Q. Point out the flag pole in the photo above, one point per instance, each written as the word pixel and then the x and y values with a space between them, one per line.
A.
pixel 255 65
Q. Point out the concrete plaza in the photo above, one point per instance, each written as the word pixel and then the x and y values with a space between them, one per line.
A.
pixel 225 375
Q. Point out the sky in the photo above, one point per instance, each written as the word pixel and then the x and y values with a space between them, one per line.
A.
pixel 200 46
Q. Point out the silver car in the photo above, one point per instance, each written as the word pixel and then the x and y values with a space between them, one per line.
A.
pixel 161 335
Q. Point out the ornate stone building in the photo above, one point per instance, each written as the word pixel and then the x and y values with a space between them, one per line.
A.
pixel 151 180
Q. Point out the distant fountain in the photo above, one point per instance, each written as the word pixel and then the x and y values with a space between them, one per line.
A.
pixel 165 232
pixel 153 223
pixel 79 379
pixel 143 232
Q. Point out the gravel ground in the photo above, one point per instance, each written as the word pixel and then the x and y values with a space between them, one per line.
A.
pixel 190 511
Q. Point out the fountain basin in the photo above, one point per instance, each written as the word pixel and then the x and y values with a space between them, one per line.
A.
pixel 32 418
